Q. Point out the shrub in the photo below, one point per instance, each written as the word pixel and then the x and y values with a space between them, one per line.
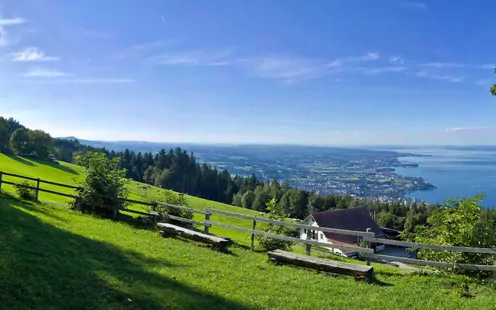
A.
pixel 173 198
pixel 25 192
pixel 103 185
pixel 268 243
pixel 461 222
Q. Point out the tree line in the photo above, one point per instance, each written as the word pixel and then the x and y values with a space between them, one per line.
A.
pixel 180 171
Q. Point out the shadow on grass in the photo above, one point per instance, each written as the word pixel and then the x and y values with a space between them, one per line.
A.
pixel 39 208
pixel 56 165
pixel 380 283
pixel 45 267
pixel 21 160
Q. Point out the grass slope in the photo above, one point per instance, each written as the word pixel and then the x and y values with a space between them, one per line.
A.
pixel 71 174
pixel 54 258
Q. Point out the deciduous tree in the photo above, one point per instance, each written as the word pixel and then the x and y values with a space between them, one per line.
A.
pixel 19 142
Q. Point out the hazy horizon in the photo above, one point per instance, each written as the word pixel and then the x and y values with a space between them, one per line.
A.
pixel 287 144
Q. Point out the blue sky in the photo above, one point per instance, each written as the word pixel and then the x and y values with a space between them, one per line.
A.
pixel 304 72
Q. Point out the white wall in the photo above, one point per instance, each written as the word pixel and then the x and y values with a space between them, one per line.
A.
pixel 320 235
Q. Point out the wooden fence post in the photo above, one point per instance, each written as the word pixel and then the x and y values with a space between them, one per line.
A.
pixel 308 246
pixel 494 272
pixel 253 235
pixel 207 218
pixel 0 181
pixel 37 189
pixel 368 246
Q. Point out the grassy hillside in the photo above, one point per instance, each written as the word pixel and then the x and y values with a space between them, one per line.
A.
pixel 71 174
pixel 56 258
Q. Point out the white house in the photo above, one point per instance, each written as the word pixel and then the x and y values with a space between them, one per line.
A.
pixel 357 219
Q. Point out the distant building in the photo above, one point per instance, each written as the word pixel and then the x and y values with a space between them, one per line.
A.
pixel 357 219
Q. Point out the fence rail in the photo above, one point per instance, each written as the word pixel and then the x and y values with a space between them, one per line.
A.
pixel 289 224
pixel 432 246
pixel 368 237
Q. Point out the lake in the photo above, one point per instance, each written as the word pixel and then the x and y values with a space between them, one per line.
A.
pixel 454 172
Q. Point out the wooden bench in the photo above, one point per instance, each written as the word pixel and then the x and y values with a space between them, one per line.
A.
pixel 322 264
pixel 216 241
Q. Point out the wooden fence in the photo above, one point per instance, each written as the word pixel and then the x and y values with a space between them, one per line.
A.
pixel 368 238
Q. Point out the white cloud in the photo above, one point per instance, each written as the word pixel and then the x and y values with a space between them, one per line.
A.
pixel 380 70
pixel 488 66
pixel 450 78
pixel 4 37
pixel 486 82
pixel 371 56
pixel 4 34
pixel 32 54
pixel 84 81
pixel 200 57
pixel 415 5
pixel 468 129
pixel 292 69
pixel 396 60
pixel 45 73
pixel 440 65
pixel 11 21
pixel 141 48
pixel 287 68
pixel 97 34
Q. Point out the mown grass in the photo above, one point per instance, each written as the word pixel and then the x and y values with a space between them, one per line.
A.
pixel 55 258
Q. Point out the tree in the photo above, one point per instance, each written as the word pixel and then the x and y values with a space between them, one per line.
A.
pixel 19 142
pixel 4 135
pixel 461 222
pixel 493 87
pixel 40 142
pixel 268 243
pixel 247 199
pixel 262 197
pixel 238 199
pixel 103 184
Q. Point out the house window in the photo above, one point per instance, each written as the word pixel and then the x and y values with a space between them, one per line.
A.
pixel 305 231
pixel 321 236
pixel 314 235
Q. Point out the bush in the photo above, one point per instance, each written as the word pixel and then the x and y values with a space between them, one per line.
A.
pixel 25 192
pixel 103 185
pixel 173 198
pixel 461 222
pixel 270 244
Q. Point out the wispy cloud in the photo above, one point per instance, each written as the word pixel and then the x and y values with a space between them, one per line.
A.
pixel 486 82
pixel 97 34
pixel 468 129
pixel 396 60
pixel 4 34
pixel 440 65
pixel 32 54
pixel 200 57
pixel 371 56
pixel 488 66
pixel 450 78
pixel 141 48
pixel 287 68
pixel 44 73
pixel 380 70
pixel 414 5
pixel 78 80
pixel 11 21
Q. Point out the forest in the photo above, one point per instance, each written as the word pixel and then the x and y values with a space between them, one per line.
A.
pixel 179 170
